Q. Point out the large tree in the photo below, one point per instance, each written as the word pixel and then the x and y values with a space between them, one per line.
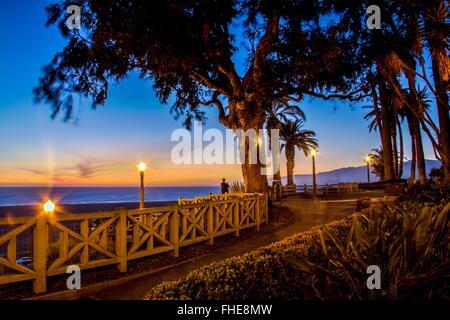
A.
pixel 187 49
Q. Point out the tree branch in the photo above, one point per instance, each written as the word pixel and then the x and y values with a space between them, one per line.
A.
pixel 223 118
pixel 265 47
pixel 208 82
pixel 349 96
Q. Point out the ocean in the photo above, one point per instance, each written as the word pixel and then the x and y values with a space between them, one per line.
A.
pixel 16 196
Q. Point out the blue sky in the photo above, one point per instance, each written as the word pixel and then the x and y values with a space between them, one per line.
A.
pixel 101 147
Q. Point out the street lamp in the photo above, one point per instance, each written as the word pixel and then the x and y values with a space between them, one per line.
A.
pixel 142 167
pixel 49 207
pixel 368 168
pixel 313 155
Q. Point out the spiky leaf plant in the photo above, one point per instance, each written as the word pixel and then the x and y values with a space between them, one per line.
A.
pixel 408 241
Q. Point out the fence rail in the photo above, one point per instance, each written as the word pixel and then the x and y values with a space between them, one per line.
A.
pixel 94 240
pixel 322 188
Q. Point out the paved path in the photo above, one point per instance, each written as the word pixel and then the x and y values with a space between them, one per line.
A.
pixel 308 213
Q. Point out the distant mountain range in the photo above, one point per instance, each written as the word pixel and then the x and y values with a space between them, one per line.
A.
pixel 354 174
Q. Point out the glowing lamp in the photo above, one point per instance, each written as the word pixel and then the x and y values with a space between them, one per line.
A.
pixel 313 152
pixel 49 207
pixel 142 167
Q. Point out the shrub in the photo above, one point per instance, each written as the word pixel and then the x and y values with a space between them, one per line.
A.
pixel 237 187
pixel 266 273
pixel 408 240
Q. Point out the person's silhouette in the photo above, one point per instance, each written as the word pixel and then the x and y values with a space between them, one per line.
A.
pixel 224 186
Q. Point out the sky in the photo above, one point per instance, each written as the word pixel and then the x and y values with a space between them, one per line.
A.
pixel 102 147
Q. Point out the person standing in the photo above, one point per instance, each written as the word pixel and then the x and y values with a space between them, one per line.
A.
pixel 224 186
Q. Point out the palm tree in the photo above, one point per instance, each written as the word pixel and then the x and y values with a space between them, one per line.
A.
pixel 280 113
pixel 435 29
pixel 377 162
pixel 396 134
pixel 293 135
pixel 423 105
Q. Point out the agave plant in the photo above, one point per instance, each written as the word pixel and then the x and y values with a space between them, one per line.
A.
pixel 408 241
pixel 237 187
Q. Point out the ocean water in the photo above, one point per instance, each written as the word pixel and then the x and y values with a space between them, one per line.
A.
pixel 12 196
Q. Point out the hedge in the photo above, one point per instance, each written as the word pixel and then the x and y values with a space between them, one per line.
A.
pixel 408 240
pixel 266 273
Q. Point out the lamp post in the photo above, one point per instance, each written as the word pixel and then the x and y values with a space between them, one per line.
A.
pixel 49 207
pixel 313 155
pixel 142 167
pixel 368 168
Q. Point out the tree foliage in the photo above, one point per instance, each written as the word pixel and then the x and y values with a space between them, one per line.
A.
pixel 187 49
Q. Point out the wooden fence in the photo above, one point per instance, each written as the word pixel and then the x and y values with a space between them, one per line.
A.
pixel 322 188
pixel 93 240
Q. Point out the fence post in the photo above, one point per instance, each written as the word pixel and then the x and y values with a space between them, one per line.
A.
pixel 210 222
pixel 305 188
pixel 121 239
pixel 40 243
pixel 338 188
pixel 266 205
pixel 258 212
pixel 236 217
pixel 326 189
pixel 175 231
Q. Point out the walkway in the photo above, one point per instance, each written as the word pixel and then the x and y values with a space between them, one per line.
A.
pixel 308 212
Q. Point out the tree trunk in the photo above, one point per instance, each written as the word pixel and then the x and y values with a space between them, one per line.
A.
pixel 386 133
pixel 290 163
pixel 402 153
pixel 444 119
pixel 394 148
pixel 414 126
pixel 276 175
pixel 420 154
pixel 412 133
pixel 253 180
pixel 437 43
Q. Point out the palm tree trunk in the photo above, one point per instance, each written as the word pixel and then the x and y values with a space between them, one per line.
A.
pixel 290 163
pixel 395 148
pixel 420 154
pixel 386 133
pixel 400 140
pixel 276 175
pixel 412 175
pixel 412 133
pixel 437 43
pixel 414 127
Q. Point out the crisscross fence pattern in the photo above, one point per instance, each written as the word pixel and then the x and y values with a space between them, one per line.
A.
pixel 35 248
